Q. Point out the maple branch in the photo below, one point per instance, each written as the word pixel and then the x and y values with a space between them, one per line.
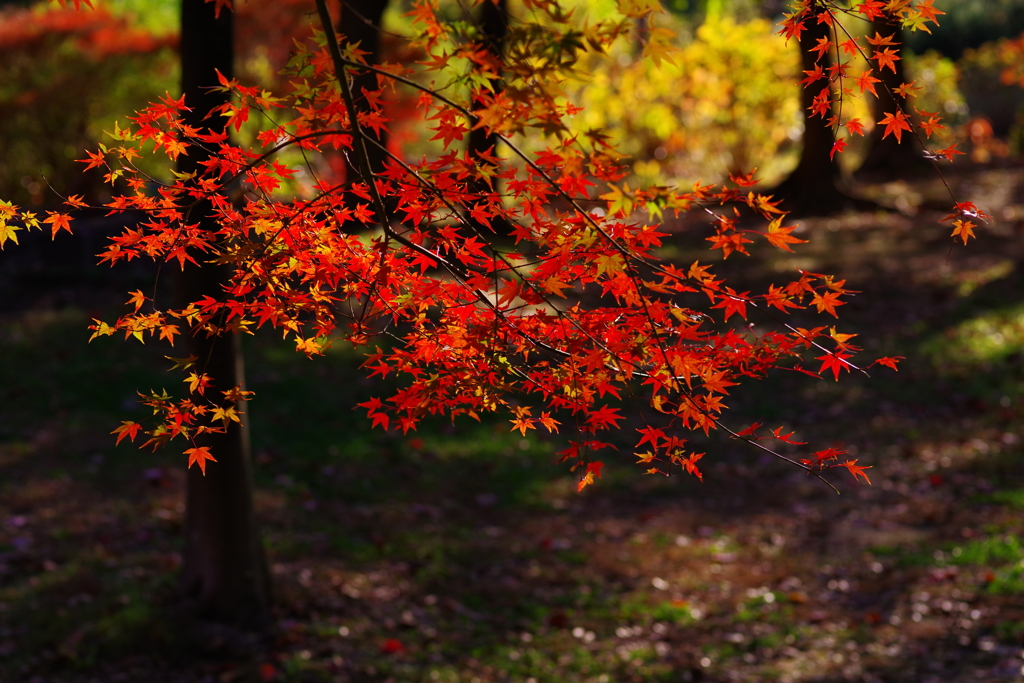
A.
pixel 927 155
pixel 356 128
pixel 456 272
pixel 752 442
pixel 630 257
pixel 473 119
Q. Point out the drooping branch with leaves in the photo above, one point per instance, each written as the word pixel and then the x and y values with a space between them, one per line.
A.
pixel 401 260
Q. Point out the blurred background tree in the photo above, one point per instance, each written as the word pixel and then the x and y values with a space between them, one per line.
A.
pixel 730 101
pixel 969 25
pixel 64 77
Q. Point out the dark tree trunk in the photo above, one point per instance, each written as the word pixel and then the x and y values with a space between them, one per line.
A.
pixel 224 578
pixel 360 23
pixel 493 25
pixel 641 36
pixel 887 158
pixel 815 187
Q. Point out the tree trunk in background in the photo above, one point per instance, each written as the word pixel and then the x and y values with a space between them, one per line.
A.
pixel 360 23
pixel 493 25
pixel 887 159
pixel 815 187
pixel 641 36
pixel 224 578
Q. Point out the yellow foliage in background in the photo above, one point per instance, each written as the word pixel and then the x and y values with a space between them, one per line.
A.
pixel 730 102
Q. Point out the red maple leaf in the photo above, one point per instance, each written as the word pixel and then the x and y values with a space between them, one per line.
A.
pixel 392 646
pixel 750 432
pixel 777 433
pixel 582 310
pixel 822 103
pixel 816 74
pixel 650 435
pixel 603 417
pixel 834 362
pixel 837 148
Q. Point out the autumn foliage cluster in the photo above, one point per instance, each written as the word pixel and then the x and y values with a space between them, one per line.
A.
pixel 552 323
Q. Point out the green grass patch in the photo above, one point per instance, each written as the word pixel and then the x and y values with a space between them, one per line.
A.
pixel 983 339
pixel 1012 498
pixel 997 550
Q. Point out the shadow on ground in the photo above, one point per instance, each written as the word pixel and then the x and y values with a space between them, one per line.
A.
pixel 463 553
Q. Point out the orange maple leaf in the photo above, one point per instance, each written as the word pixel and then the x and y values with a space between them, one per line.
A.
pixel 95 160
pixel 691 465
pixel 895 124
pixel 556 286
pixel 129 429
pixel 886 58
pixel 199 456
pixel 593 471
pixel 138 298
pixel 779 236
pixel 198 383
pixel 850 47
pixel 855 469
pixel 778 298
pixel 522 424
pixel 880 40
pixel 948 152
pixel 58 221
pixel 930 125
pixel 925 9
pixel 550 423
pixel 889 361
pixel 905 89
pixel 816 74
pixel 866 82
pixel 823 46
pixel 872 9
pixel 827 302
pixel 168 331
pixel 963 229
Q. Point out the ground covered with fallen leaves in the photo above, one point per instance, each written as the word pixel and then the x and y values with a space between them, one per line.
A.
pixel 463 553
